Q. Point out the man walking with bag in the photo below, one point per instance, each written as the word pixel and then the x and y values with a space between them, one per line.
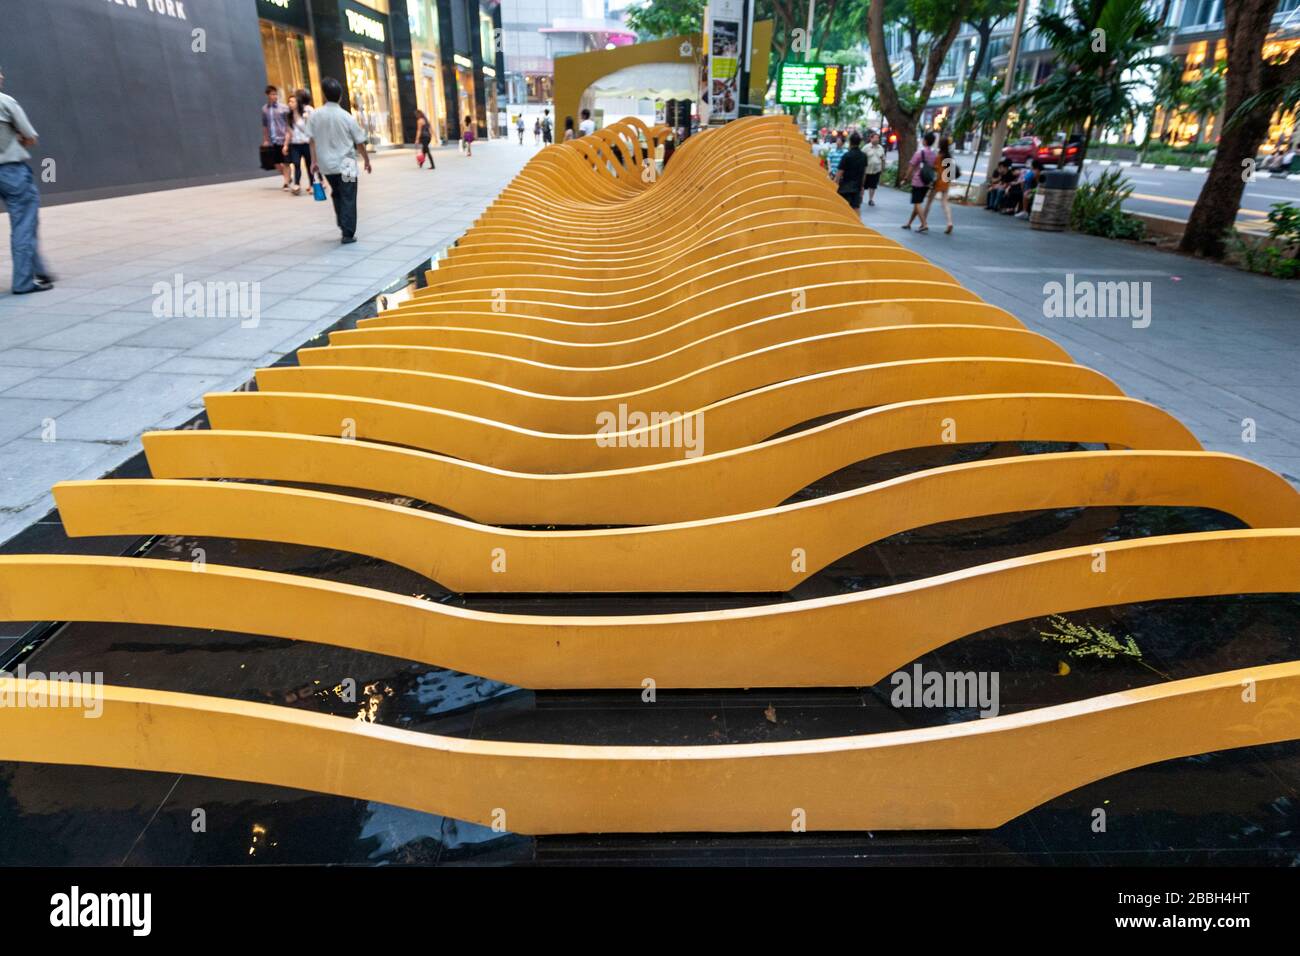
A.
pixel 336 138
pixel 21 196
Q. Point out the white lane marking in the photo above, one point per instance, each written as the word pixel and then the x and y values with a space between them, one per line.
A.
pixel 1077 270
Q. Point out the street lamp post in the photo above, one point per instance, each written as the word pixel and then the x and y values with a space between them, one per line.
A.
pixel 1000 131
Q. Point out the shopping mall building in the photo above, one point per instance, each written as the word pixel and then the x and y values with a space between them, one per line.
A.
pixel 176 86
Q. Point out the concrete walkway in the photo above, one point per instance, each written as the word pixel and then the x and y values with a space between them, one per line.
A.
pixel 88 367
pixel 1222 346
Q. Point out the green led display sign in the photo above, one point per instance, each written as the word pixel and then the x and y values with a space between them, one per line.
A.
pixel 809 84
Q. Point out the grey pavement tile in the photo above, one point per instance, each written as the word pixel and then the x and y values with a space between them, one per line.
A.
pixel 180 333
pixel 11 375
pixel 137 317
pixel 27 463
pixel 197 365
pixel 18 416
pixel 85 337
pixel 25 328
pixel 36 358
pixel 117 294
pixel 144 402
pixel 118 362
pixel 248 343
pixel 84 310
pixel 72 389
pixel 289 282
pixel 305 310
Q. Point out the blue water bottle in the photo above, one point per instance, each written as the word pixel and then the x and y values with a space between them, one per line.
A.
pixel 318 191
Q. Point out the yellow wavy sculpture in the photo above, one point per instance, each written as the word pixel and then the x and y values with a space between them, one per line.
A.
pixel 617 345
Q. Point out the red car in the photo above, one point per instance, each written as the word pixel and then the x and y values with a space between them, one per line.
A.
pixel 1022 150
pixel 1058 154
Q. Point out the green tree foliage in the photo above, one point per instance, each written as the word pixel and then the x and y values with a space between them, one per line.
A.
pixel 657 19
pixel 1103 48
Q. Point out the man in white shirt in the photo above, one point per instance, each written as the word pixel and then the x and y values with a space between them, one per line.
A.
pixel 588 125
pixel 336 138
pixel 21 196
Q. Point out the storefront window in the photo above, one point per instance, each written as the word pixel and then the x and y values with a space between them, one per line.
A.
pixel 288 55
pixel 423 16
pixel 540 87
pixel 487 39
pixel 465 91
pixel 370 93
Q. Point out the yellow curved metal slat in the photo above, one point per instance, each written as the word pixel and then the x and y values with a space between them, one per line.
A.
pixel 719 483
pixel 972 775
pixel 731 423
pixel 770 550
pixel 847 640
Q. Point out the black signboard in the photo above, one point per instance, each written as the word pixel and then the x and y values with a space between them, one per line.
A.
pixel 292 13
pixel 363 26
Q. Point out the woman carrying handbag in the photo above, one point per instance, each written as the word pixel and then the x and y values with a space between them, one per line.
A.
pixel 423 136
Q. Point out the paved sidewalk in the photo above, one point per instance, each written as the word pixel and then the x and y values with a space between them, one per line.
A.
pixel 1223 346
pixel 91 366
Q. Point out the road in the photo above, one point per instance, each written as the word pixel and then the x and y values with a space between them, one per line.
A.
pixel 1172 193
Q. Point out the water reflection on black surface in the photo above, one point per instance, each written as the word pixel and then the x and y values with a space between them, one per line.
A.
pixel 1230 807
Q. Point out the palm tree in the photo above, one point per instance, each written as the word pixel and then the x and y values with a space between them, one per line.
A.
pixel 1101 48
pixel 1166 91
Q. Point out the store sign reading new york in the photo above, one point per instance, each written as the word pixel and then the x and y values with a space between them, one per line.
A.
pixel 164 8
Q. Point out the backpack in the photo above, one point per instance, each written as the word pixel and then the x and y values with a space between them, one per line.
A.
pixel 927 169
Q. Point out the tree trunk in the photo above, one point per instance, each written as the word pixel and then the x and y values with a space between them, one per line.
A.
pixel 985 30
pixel 906 147
pixel 902 121
pixel 1246 24
pixel 1216 208
pixel 914 47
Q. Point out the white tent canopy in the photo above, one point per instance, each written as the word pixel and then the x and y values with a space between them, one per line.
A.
pixel 649 81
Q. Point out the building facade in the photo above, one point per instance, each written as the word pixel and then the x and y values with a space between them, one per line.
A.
pixel 139 95
pixel 535 32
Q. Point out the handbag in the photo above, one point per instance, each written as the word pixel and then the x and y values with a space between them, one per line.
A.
pixel 419 159
pixel 318 191
pixel 269 156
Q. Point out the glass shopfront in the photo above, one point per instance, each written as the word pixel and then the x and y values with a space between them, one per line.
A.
pixel 425 52
pixel 287 47
pixel 370 73
pixel 487 49
pixel 465 91
pixel 372 92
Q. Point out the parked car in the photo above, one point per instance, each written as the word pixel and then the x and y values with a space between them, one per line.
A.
pixel 1058 154
pixel 1022 150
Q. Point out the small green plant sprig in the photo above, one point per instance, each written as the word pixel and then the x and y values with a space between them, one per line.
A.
pixel 1090 640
